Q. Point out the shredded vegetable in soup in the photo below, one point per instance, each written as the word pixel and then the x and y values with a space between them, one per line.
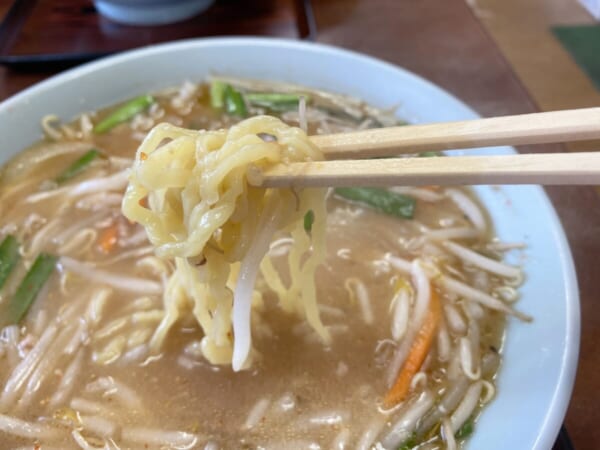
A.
pixel 152 298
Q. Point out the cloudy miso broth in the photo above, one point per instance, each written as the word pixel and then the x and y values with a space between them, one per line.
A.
pixel 78 369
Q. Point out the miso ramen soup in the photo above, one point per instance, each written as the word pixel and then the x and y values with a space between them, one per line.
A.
pixel 413 293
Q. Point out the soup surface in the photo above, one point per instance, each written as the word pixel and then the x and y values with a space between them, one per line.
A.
pixel 75 367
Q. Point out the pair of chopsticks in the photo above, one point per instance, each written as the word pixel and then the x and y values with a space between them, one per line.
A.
pixel 344 166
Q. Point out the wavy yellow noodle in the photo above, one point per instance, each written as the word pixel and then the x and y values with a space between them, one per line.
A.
pixel 189 190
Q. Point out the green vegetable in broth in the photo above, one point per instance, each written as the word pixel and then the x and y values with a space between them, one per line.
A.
pixel 217 94
pixel 234 102
pixel 430 154
pixel 274 101
pixel 78 166
pixel 124 113
pixel 388 202
pixel 410 443
pixel 9 256
pixel 466 430
pixel 309 219
pixel 223 95
pixel 30 287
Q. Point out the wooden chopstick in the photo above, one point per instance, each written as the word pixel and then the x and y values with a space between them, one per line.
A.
pixel 536 128
pixel 548 169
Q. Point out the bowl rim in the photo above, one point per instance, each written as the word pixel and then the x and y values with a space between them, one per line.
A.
pixel 561 394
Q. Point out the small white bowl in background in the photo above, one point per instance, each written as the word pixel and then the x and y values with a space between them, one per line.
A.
pixel 150 12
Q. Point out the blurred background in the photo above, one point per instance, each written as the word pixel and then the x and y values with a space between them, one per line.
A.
pixel 499 56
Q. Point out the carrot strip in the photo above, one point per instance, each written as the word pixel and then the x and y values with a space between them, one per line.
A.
pixel 418 352
pixel 108 238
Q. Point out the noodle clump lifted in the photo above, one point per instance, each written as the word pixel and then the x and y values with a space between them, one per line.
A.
pixel 189 190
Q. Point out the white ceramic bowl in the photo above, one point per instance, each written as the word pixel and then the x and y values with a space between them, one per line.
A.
pixel 150 12
pixel 536 380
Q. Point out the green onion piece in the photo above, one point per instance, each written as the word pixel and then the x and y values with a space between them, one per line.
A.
pixel 466 430
pixel 234 102
pixel 29 288
pixel 9 256
pixel 429 154
pixel 274 101
pixel 78 166
pixel 309 219
pixel 382 200
pixel 217 93
pixel 124 113
pixel 410 443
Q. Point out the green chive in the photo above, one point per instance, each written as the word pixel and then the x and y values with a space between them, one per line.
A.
pixel 30 287
pixel 9 256
pixel 382 200
pixel 309 219
pixel 234 102
pixel 429 154
pixel 274 101
pixel 466 430
pixel 217 93
pixel 410 443
pixel 78 166
pixel 124 113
